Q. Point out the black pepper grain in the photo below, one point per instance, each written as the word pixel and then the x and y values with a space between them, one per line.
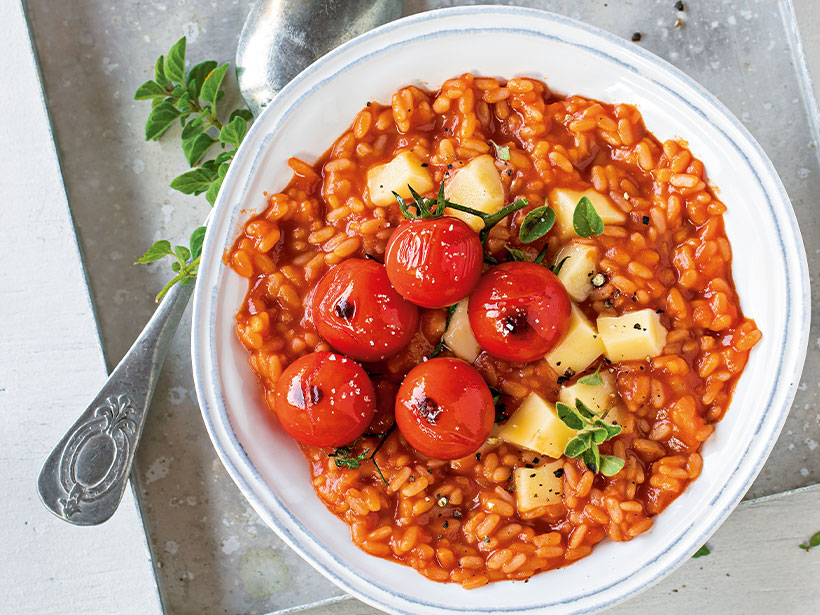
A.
pixel 636 36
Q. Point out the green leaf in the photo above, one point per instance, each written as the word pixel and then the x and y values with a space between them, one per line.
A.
pixel 197 237
pixel 183 102
pixel 502 152
pixel 210 88
pixel 611 430
pixel 515 253
pixel 575 447
pixel 159 71
pixel 584 410
pixel 536 224
pixel 569 416
pixel 197 147
pixel 175 62
pixel 159 120
pixel 245 114
pixel 175 267
pixel 197 75
pixel 592 380
pixel 213 191
pixel 814 541
pixel 224 157
pixel 195 181
pixel 222 171
pixel 704 550
pixel 592 459
pixel 611 465
pixel 182 253
pixel 159 250
pixel 585 220
pixel 557 267
pixel 599 435
pixel 150 90
pixel 187 280
pixel 233 132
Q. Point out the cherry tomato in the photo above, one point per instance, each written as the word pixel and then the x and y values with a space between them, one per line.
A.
pixel 444 408
pixel 357 311
pixel 324 399
pixel 434 263
pixel 519 311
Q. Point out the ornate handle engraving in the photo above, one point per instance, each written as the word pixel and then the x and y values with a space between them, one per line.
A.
pixel 86 474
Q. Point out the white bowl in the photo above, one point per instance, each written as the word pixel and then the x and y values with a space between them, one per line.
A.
pixel 770 273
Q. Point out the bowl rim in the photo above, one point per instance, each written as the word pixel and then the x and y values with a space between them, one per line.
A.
pixel 215 415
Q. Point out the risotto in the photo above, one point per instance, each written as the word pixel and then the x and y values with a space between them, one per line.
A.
pixel 588 432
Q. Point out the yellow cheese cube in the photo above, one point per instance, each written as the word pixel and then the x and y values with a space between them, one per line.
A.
pixel 539 486
pixel 536 426
pixel 597 398
pixel 564 201
pixel 579 348
pixel 578 268
pixel 459 335
pixel 632 336
pixel 404 169
pixel 478 185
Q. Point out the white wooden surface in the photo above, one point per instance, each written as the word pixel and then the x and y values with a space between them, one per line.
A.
pixel 51 363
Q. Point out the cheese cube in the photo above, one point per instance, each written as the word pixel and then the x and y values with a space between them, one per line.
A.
pixel 536 426
pixel 632 336
pixel 539 486
pixel 459 335
pixel 564 201
pixel 596 398
pixel 478 185
pixel 579 348
pixel 578 268
pixel 404 169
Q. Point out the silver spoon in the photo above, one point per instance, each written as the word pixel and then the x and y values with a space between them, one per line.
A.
pixel 85 476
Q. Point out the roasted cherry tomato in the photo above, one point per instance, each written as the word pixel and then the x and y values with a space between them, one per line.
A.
pixel 324 399
pixel 444 409
pixel 434 263
pixel 357 311
pixel 519 311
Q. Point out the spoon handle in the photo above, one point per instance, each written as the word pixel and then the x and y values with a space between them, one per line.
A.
pixel 85 476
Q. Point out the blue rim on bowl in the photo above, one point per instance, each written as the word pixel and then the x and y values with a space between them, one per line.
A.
pixel 430 27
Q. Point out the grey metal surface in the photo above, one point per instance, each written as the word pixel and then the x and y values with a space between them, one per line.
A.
pixel 212 554
pixel 85 476
pixel 281 37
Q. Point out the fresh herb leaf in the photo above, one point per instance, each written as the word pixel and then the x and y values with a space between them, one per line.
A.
pixel 234 131
pixel 160 119
pixel 175 62
pixel 569 416
pixel 592 380
pixel 557 267
pixel 536 224
pixel 193 99
pixel 703 551
pixel 584 410
pixel 195 181
pixel 814 541
pixel 540 258
pixel 585 220
pixel 197 237
pixel 575 447
pixel 611 465
pixel 502 152
pixel 160 249
pixel 515 253
pixel 149 90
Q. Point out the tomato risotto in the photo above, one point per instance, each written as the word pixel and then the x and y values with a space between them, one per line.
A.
pixel 500 321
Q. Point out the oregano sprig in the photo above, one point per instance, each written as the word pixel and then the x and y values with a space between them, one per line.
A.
pixel 344 458
pixel 592 431
pixel 192 98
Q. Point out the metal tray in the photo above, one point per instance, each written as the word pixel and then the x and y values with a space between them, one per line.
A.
pixel 211 552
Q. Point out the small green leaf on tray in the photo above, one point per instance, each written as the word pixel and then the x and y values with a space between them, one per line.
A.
pixel 161 118
pixel 585 220
pixel 195 181
pixel 160 249
pixel 814 541
pixel 702 552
